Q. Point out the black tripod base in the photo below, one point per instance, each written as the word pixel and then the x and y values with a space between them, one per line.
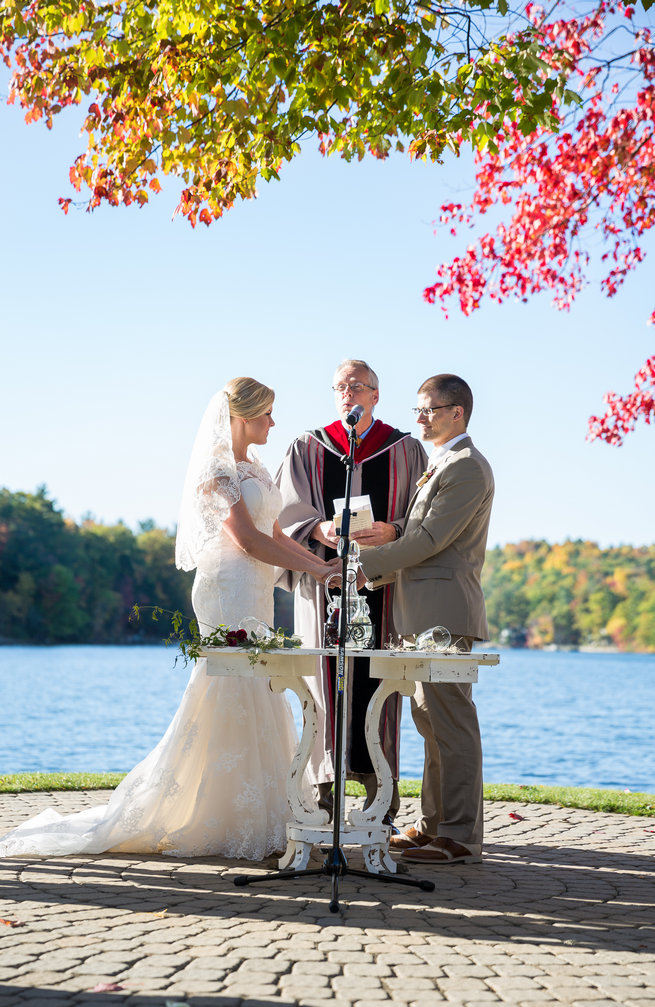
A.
pixel 334 866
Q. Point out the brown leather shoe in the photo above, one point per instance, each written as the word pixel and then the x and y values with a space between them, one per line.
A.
pixel 408 840
pixel 443 851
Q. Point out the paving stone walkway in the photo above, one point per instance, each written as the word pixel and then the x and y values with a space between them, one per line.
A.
pixel 561 911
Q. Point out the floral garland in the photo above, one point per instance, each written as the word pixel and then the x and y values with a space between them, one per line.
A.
pixel 192 642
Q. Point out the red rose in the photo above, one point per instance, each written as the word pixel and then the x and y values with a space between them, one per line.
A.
pixel 235 636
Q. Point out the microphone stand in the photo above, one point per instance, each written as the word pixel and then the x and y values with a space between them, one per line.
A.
pixel 335 864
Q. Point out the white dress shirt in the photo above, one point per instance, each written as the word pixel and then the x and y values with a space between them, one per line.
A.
pixel 440 450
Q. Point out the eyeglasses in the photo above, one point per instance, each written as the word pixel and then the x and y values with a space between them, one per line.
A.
pixel 430 410
pixel 355 386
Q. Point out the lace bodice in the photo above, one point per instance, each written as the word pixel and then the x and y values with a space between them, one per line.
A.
pixel 230 584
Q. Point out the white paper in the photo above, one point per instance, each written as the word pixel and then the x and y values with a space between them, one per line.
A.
pixel 361 513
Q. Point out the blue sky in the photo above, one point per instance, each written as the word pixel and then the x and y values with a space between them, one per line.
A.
pixel 118 326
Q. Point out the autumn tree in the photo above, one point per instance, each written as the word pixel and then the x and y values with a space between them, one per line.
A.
pixel 221 93
pixel 558 189
pixel 573 593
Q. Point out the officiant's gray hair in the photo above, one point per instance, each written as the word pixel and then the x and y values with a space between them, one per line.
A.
pixel 248 398
pixel 372 376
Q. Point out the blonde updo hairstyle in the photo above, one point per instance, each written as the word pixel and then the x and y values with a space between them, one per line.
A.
pixel 248 398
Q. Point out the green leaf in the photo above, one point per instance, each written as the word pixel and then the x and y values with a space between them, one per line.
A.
pixel 195 84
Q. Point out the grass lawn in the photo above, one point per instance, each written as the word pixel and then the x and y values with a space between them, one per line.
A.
pixel 626 803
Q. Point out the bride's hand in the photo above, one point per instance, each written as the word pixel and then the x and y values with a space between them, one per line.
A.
pixel 329 570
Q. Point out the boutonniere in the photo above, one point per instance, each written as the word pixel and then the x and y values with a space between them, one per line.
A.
pixel 424 478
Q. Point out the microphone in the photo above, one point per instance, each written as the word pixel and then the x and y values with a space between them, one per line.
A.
pixel 354 416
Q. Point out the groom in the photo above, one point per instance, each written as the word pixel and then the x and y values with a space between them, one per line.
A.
pixel 437 562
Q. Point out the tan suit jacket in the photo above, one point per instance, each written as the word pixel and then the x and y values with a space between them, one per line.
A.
pixel 439 557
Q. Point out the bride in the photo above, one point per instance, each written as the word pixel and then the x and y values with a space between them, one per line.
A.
pixel 216 782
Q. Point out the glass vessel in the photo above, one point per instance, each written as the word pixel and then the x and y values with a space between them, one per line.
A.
pixel 437 638
pixel 360 634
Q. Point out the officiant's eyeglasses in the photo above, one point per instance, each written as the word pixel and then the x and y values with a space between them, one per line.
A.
pixel 429 410
pixel 355 386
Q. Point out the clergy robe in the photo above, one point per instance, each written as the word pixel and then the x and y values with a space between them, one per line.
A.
pixel 388 464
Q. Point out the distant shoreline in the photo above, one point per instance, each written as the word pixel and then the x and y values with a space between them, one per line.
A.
pixel 8 642
pixel 489 646
pixel 554 648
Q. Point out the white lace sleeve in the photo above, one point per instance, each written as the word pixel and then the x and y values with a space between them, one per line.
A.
pixel 211 486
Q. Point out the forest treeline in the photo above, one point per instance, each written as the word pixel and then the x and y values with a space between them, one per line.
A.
pixel 61 582
pixel 66 583
pixel 573 594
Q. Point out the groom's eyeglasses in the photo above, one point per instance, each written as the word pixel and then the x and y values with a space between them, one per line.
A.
pixel 430 410
pixel 356 386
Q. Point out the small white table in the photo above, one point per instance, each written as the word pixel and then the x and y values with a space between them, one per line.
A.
pixel 398 671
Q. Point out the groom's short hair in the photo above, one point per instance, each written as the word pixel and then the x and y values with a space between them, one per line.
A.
pixel 453 389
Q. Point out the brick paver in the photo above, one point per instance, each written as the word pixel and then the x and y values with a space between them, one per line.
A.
pixel 561 911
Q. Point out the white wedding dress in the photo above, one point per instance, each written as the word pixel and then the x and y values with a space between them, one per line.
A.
pixel 216 782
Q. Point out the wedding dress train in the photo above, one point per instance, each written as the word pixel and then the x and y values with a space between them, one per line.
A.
pixel 216 782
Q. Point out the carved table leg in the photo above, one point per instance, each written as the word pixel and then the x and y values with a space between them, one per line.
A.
pixel 304 809
pixel 377 858
pixel 376 811
pixel 296 856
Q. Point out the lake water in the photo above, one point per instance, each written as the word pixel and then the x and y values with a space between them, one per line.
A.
pixel 552 718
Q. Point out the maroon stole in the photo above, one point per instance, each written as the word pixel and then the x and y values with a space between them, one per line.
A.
pixel 376 438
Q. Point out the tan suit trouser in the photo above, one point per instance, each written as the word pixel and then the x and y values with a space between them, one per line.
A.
pixel 451 794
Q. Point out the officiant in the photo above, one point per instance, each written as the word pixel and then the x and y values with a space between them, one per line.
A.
pixel 388 463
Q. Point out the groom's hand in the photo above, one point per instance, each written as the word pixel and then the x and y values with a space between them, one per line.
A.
pixel 378 534
pixel 325 533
